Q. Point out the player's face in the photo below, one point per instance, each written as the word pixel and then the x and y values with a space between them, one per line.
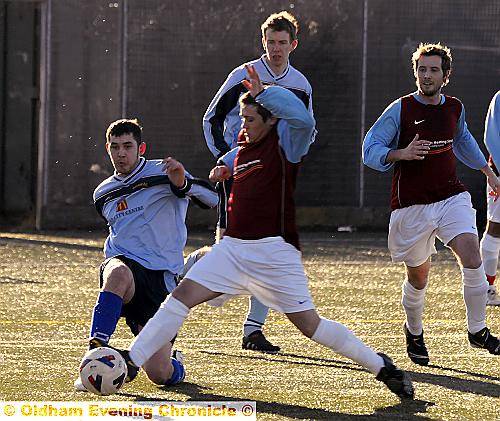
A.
pixel 253 126
pixel 124 153
pixel 429 75
pixel 278 47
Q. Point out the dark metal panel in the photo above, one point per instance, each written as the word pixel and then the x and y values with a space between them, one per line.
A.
pixel 20 91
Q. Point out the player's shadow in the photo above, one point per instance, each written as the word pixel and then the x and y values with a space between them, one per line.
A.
pixel 477 387
pixel 470 373
pixel 58 244
pixel 279 357
pixel 405 410
pixel 9 280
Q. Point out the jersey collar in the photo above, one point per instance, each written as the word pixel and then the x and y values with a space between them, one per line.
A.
pixel 138 168
pixel 415 95
pixel 271 73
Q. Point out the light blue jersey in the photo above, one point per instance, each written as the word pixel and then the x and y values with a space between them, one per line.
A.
pixel 222 122
pixel 146 215
pixel 492 130
pixel 384 137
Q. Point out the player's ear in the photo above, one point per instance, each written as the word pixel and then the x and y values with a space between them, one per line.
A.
pixel 264 42
pixel 446 77
pixel 294 44
pixel 142 148
pixel 273 120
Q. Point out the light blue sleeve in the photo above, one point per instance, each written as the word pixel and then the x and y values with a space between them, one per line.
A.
pixel 465 146
pixel 492 129
pixel 382 138
pixel 228 158
pixel 202 192
pixel 296 125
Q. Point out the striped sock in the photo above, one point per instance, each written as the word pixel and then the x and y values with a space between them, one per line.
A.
pixel 256 317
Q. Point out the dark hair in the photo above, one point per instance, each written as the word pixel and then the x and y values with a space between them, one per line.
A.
pixel 125 126
pixel 429 49
pixel 282 21
pixel 247 99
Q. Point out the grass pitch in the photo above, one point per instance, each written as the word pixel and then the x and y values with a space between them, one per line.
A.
pixel 49 283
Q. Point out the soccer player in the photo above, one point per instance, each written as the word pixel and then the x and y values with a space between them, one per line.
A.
pixel 419 135
pixel 490 243
pixel 263 259
pixel 222 123
pixel 144 203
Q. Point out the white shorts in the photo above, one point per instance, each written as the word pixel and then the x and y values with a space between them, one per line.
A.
pixel 270 269
pixel 493 205
pixel 413 230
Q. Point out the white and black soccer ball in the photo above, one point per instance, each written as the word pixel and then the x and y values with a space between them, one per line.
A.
pixel 103 371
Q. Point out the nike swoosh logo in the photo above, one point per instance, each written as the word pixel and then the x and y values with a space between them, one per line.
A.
pixel 302 302
pixel 418 122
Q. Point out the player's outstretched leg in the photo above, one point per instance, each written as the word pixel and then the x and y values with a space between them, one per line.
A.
pixel 253 338
pixel 342 341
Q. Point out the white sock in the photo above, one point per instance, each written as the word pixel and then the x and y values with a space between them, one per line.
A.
pixel 490 247
pixel 475 289
pixel 413 303
pixel 159 330
pixel 341 340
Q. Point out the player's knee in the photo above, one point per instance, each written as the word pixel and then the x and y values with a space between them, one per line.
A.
pixel 306 321
pixel 118 279
pixel 160 374
pixel 418 281
pixel 472 260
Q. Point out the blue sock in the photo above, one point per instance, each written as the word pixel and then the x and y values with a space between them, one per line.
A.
pixel 256 317
pixel 178 374
pixel 105 316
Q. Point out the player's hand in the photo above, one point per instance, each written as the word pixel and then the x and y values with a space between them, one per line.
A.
pixel 416 150
pixel 175 171
pixel 255 86
pixel 494 183
pixel 219 173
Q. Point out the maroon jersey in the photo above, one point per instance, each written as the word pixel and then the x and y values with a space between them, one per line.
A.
pixel 261 203
pixel 434 178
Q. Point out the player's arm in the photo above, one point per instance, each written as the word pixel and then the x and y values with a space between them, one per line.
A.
pixel 224 168
pixel 184 184
pixel 467 150
pixel 465 146
pixel 381 141
pixel 492 129
pixel 223 107
pixel 296 124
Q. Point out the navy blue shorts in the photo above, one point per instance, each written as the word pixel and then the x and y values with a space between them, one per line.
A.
pixel 150 292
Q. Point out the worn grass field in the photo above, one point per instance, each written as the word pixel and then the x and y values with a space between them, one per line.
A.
pixel 48 285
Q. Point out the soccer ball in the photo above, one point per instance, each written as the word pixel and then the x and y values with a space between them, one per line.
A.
pixel 103 371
